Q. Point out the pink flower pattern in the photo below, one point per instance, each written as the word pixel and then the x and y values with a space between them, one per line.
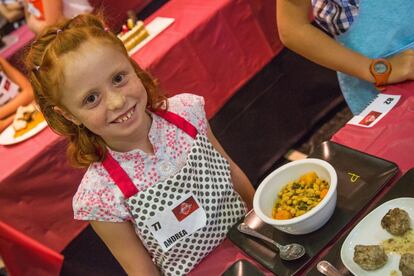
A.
pixel 98 197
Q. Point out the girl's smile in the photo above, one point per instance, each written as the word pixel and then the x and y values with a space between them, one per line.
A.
pixel 125 117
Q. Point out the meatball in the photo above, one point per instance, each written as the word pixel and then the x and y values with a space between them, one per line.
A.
pixel 370 257
pixel 407 264
pixel 396 221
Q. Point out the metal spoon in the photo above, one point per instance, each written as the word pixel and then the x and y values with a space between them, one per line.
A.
pixel 287 252
pixel 326 268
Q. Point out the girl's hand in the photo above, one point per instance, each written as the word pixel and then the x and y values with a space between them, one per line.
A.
pixel 402 66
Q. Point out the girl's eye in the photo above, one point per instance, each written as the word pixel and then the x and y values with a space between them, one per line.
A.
pixel 91 99
pixel 118 79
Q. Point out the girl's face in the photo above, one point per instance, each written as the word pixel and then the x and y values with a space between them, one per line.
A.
pixel 102 91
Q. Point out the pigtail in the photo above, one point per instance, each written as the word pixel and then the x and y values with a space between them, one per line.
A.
pixel 85 148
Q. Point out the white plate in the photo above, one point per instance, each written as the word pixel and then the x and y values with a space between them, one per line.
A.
pixel 7 136
pixel 369 232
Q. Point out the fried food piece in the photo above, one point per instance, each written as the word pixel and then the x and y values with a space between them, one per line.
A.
pixel 396 221
pixel 26 118
pixel 407 264
pixel 34 119
pixel 370 257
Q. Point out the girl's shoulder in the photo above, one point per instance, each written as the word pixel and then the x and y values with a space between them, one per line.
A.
pixel 185 101
pixel 190 107
pixel 98 197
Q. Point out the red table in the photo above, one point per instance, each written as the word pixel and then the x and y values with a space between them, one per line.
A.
pixel 115 11
pixel 212 48
pixel 36 189
pixel 22 35
pixel 392 139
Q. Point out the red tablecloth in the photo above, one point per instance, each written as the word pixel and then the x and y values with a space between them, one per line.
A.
pixel 36 189
pixel 392 138
pixel 22 35
pixel 212 48
pixel 115 11
pixel 265 12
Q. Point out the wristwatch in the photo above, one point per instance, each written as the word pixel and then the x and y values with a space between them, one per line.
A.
pixel 380 69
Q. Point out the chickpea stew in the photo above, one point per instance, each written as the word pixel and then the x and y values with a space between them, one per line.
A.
pixel 300 196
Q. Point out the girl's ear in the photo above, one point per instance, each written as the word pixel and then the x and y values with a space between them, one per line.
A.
pixel 67 115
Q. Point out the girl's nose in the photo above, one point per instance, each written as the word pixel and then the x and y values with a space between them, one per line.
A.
pixel 115 100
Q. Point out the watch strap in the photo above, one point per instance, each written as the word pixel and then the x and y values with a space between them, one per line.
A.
pixel 381 79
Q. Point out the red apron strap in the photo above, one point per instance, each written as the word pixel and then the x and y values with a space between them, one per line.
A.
pixel 117 173
pixel 178 121
pixel 119 176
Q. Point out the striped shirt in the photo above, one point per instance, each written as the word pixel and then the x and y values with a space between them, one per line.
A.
pixel 335 16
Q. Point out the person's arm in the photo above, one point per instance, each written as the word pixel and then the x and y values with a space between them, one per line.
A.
pixel 53 12
pixel 126 247
pixel 298 34
pixel 11 11
pixel 240 181
pixel 26 92
pixel 6 122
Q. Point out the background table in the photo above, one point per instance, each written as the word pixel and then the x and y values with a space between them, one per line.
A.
pixel 393 137
pixel 36 189
pixel 115 11
pixel 212 48
pixel 23 36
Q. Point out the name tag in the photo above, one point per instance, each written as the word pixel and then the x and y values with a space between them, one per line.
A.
pixel 181 219
pixel 32 9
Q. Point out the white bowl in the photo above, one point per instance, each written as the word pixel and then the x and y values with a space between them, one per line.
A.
pixel 266 195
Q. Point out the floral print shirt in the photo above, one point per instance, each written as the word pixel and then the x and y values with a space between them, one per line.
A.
pixel 99 198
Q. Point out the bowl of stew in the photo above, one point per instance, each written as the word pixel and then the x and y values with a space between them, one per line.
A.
pixel 299 197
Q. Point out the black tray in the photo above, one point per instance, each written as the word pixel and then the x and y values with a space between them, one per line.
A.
pixel 402 188
pixel 242 268
pixel 360 178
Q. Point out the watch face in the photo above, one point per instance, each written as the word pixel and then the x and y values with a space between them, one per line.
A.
pixel 380 67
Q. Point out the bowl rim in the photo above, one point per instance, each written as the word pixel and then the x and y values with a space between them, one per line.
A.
pixel 313 211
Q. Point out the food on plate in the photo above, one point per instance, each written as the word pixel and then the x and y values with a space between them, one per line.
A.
pixel 396 221
pixel 400 244
pixel 131 37
pixel 26 118
pixel 300 196
pixel 407 264
pixel 370 257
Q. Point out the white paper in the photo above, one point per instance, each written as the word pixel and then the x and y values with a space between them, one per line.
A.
pixel 8 89
pixel 375 111
pixel 154 28
pixel 168 229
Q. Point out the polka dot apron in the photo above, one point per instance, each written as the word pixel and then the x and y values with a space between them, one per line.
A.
pixel 181 219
